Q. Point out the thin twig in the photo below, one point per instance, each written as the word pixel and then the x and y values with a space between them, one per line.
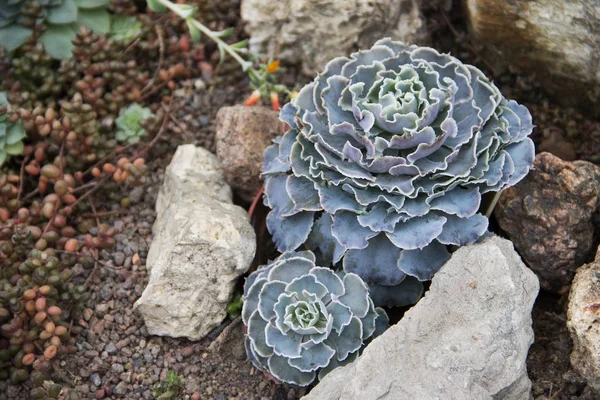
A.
pixel 92 190
pixel 161 57
pixel 21 177
pixel 31 194
pixel 94 210
pixel 154 90
pixel 255 201
pixel 105 213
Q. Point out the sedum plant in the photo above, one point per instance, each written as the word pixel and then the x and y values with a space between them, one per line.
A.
pixel 61 20
pixel 388 155
pixel 303 320
pixel 129 129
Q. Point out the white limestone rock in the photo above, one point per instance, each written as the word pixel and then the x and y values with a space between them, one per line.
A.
pixel 468 337
pixel 202 244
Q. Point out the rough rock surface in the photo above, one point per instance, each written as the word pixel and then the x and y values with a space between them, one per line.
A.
pixel 242 135
pixel 466 339
pixel 300 31
pixel 548 216
pixel 583 321
pixel 202 244
pixel 556 39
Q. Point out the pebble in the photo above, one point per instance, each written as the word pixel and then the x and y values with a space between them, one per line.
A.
pixel 119 258
pixel 111 349
pixel 96 380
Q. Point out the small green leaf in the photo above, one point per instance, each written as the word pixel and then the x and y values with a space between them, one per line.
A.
pixel 3 99
pixel 57 40
pixel 97 20
pixel 224 33
pixel 14 149
pixel 240 45
pixel 92 3
pixel 185 11
pixel 124 28
pixel 15 133
pixel 13 36
pixel 156 6
pixel 2 157
pixel 195 33
pixel 63 14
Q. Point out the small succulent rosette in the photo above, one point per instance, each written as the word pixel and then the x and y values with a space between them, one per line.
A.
pixel 128 125
pixel 388 156
pixel 303 320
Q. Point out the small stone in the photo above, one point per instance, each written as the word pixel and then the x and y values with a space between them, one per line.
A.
pixel 100 394
pixel 187 351
pixel 118 258
pixel 96 380
pixel 111 349
pixel 242 134
pixel 87 313
pixel 117 368
pixel 136 194
pixel 136 260
pixel 196 396
pixel 120 389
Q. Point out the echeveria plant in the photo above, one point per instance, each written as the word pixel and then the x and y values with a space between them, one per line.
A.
pixel 387 158
pixel 303 320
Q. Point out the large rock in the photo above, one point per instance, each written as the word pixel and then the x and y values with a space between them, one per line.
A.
pixel 202 244
pixel 583 321
pixel 466 339
pixel 242 135
pixel 556 39
pixel 548 216
pixel 310 33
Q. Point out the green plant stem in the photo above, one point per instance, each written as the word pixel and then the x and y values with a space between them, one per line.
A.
pixel 213 35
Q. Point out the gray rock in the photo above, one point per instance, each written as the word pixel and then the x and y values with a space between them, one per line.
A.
pixel 583 321
pixel 468 337
pixel 202 244
pixel 311 33
pixel 555 38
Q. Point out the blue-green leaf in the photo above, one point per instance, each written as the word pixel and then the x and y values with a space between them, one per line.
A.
pixel 57 40
pixel 65 13
pixel 13 36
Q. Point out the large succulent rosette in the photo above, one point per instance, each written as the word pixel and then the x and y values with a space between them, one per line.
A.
pixel 303 320
pixel 387 158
